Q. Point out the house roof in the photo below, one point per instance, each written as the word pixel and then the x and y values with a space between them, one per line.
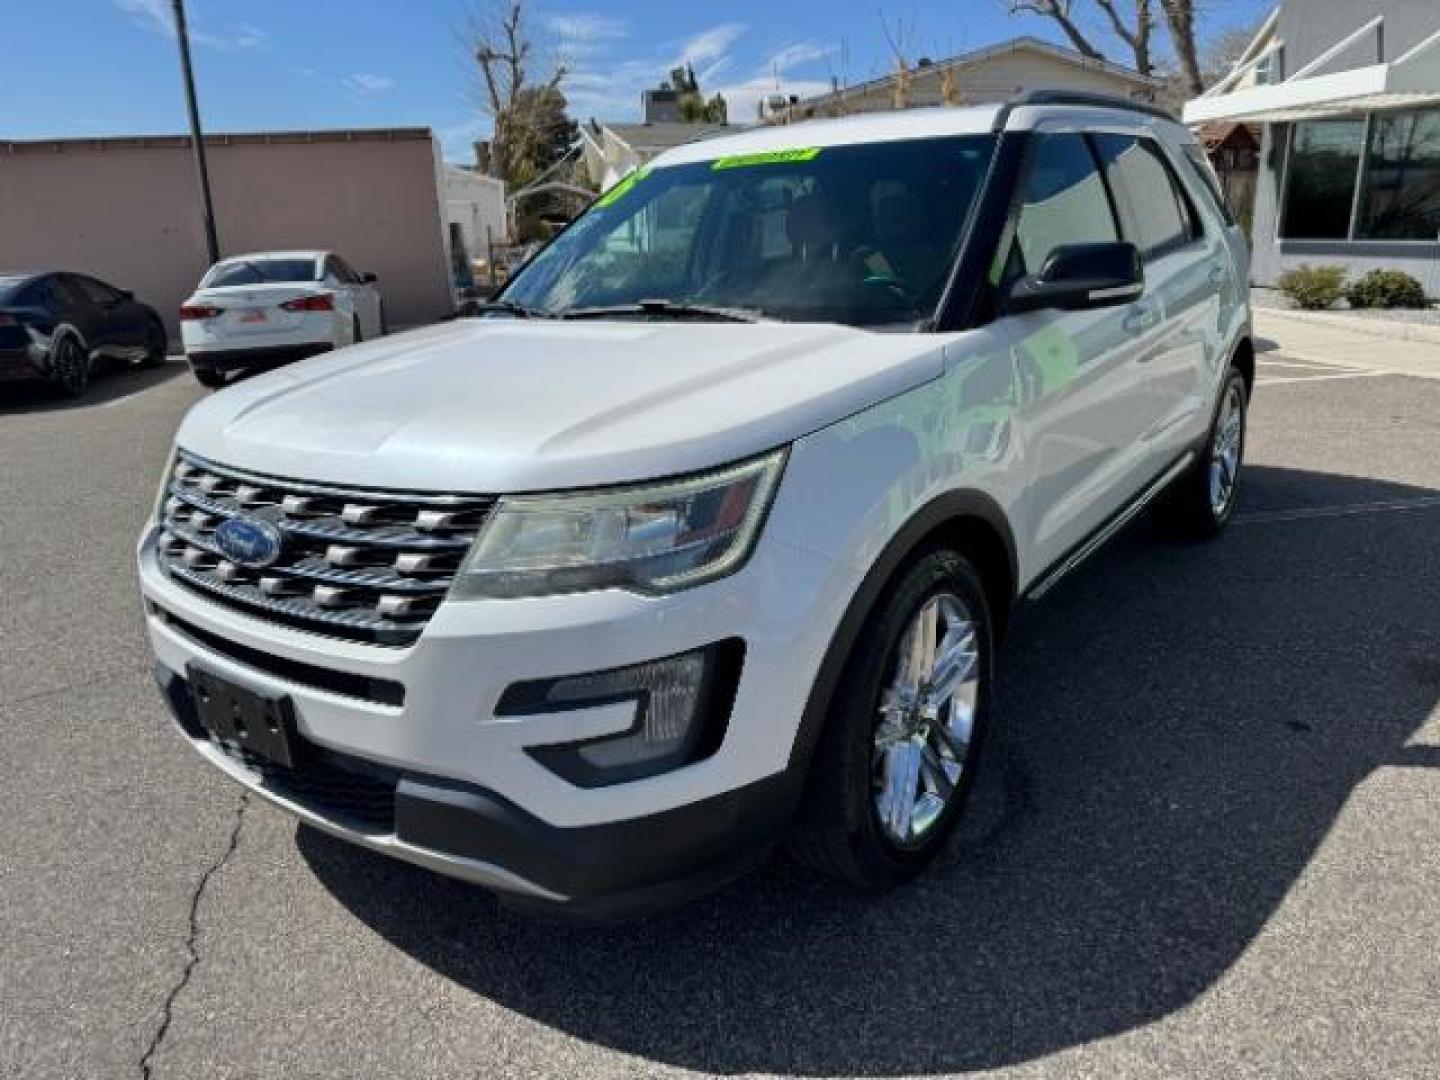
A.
pixel 658 137
pixel 1232 134
pixel 989 52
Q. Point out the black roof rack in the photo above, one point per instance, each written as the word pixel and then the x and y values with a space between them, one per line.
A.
pixel 1057 96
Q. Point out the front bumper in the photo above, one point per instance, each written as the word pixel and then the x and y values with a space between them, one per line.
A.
pixel 469 800
pixel 22 364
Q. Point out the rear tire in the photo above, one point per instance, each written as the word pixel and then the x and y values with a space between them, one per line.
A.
pixel 356 334
pixel 1201 502
pixel 69 367
pixel 896 760
pixel 156 345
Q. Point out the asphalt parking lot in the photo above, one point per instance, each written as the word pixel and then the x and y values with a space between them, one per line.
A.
pixel 1205 843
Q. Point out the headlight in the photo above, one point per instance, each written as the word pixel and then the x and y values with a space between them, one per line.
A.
pixel 652 539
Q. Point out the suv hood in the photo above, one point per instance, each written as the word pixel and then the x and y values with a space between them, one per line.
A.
pixel 500 405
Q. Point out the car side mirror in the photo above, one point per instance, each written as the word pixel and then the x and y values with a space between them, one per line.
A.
pixel 368 277
pixel 1078 277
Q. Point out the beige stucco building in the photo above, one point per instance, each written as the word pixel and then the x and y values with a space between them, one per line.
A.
pixel 994 73
pixel 127 209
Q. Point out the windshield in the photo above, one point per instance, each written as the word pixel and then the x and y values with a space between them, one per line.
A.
pixel 863 235
pixel 259 271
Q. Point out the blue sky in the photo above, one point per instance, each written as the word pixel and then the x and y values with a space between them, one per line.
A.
pixel 110 68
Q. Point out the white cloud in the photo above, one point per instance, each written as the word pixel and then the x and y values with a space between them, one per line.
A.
pixel 364 82
pixel 585 26
pixel 710 45
pixel 157 17
pixel 793 56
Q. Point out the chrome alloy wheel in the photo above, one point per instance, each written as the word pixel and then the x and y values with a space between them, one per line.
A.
pixel 1225 450
pixel 926 716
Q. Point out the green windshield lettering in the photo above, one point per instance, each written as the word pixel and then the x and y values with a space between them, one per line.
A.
pixel 618 192
pixel 766 157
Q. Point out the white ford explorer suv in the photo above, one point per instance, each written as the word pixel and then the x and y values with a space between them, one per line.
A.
pixel 705 533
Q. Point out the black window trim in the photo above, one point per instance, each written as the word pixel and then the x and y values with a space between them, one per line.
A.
pixel 1194 222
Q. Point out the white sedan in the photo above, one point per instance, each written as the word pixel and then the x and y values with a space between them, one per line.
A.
pixel 273 307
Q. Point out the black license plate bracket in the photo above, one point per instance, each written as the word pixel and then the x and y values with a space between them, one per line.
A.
pixel 262 724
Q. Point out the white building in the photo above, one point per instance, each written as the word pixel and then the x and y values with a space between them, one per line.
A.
pixel 474 211
pixel 1348 92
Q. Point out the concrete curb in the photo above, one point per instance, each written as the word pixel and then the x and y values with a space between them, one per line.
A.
pixel 1394 331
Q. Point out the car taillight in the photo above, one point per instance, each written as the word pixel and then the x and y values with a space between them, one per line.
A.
pixel 198 311
pixel 323 302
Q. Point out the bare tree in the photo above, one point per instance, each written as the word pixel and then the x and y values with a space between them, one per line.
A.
pixel 528 110
pixel 1132 21
pixel 1062 13
pixel 1224 49
pixel 1180 17
pixel 900 43
pixel 949 87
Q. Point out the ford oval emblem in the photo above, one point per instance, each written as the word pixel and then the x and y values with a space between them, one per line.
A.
pixel 249 541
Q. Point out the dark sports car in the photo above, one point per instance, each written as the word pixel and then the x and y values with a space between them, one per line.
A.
pixel 57 326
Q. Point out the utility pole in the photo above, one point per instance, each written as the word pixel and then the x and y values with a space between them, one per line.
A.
pixel 197 141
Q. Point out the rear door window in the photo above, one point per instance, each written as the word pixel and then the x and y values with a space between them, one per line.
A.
pixel 1156 217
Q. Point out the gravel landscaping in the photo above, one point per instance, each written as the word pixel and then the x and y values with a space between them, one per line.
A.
pixel 1275 300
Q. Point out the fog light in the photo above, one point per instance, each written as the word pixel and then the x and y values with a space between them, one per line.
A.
pixel 682 704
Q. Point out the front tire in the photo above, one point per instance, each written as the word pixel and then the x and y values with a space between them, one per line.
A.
pixel 897 758
pixel 1202 500
pixel 208 378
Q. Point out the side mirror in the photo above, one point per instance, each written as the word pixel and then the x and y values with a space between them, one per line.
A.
pixel 1078 277
pixel 368 277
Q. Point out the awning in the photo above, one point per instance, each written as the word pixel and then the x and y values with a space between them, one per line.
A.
pixel 1411 81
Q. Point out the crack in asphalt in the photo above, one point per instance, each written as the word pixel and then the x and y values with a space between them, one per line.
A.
pixel 192 954
pixel 82 684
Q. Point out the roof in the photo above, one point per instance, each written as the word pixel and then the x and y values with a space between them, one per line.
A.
pixel 860 128
pixel 239 138
pixel 666 135
pixel 989 52
pixel 1234 133
pixel 1411 80
pixel 922 123
pixel 274 255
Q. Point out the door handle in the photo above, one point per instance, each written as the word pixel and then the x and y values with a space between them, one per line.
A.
pixel 1140 319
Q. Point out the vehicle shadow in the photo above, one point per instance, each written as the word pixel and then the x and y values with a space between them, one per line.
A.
pixel 108 383
pixel 1180 727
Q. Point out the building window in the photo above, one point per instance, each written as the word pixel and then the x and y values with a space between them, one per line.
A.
pixel 1402 178
pixel 1320 185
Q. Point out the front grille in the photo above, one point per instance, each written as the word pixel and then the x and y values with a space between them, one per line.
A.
pixel 363 565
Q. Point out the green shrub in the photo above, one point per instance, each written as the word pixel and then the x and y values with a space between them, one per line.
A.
pixel 1386 289
pixel 1313 287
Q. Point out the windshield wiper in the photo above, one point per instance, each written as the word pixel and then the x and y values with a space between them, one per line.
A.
pixel 511 307
pixel 665 309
